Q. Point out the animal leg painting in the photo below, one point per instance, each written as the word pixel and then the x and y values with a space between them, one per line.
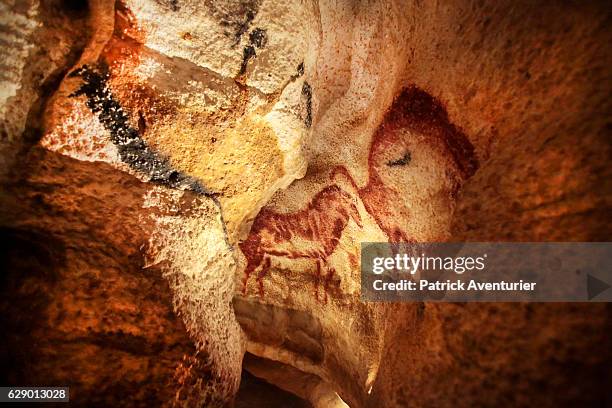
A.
pixel 319 228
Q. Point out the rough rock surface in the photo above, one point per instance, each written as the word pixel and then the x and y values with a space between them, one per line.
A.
pixel 185 182
pixel 79 304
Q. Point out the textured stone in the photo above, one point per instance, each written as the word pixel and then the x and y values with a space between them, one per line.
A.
pixel 193 181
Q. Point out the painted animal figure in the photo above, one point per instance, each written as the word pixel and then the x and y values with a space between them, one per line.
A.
pixel 311 233
pixel 417 158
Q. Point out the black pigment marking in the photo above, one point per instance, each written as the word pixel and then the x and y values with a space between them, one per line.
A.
pixel 243 26
pixel 247 54
pixel 235 16
pixel 132 149
pixel 258 37
pixel 307 92
pixel 299 72
pixel 401 162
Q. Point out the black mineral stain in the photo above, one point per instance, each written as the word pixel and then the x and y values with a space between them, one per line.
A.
pixel 247 54
pixel 403 161
pixel 258 37
pixel 235 15
pixel 132 149
pixel 307 92
pixel 243 26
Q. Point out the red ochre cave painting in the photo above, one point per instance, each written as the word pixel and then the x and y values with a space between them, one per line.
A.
pixel 318 229
pixel 414 111
pixel 315 231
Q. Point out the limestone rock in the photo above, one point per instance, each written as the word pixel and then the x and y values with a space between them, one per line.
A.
pixel 185 187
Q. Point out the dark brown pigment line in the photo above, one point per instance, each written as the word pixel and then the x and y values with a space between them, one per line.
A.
pixel 404 161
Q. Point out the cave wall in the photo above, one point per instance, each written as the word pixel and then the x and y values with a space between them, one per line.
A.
pixel 194 180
